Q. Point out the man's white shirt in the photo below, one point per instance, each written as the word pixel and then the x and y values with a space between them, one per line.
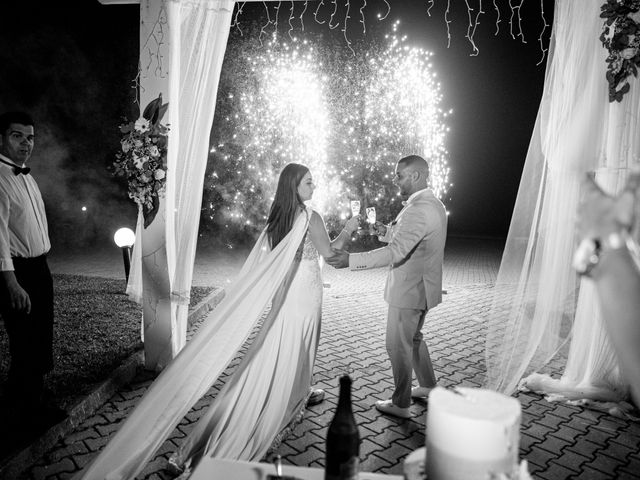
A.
pixel 23 221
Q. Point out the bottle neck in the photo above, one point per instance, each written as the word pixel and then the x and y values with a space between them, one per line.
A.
pixel 344 400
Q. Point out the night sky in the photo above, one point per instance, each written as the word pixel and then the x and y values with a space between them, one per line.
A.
pixel 71 64
pixel 495 98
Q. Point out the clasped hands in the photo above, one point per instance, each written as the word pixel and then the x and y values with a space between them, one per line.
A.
pixel 339 259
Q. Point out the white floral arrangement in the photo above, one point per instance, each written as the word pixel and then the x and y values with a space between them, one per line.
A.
pixel 621 37
pixel 142 158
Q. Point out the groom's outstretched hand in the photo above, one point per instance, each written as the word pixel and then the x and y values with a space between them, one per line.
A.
pixel 378 228
pixel 339 259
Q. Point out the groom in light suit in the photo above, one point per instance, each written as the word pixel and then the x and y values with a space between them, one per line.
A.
pixel 414 255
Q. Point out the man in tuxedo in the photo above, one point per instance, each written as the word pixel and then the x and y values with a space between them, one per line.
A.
pixel 414 255
pixel 26 287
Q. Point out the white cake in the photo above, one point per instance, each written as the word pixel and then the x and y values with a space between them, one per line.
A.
pixel 473 434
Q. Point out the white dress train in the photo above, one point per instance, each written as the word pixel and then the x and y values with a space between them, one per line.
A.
pixel 269 389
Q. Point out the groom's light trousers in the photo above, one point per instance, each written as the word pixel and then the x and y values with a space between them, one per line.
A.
pixel 408 352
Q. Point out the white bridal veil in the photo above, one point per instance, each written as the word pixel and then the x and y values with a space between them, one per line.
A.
pixel 196 368
pixel 544 318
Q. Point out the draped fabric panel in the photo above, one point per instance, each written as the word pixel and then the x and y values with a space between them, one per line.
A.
pixel 543 315
pixel 199 45
pixel 199 31
pixel 203 34
pixel 134 284
pixel 196 368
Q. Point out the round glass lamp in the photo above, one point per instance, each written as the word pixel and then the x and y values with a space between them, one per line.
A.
pixel 124 239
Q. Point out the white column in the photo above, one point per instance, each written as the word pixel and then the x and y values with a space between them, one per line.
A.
pixel 155 57
pixel 164 321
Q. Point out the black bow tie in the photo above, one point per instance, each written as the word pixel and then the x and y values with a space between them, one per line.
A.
pixel 16 169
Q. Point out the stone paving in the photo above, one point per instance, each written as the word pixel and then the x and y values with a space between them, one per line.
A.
pixel 558 441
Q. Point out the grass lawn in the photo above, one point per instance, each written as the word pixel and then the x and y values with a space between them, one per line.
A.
pixel 96 328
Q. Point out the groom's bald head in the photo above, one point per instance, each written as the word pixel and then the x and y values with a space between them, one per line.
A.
pixel 412 175
pixel 416 164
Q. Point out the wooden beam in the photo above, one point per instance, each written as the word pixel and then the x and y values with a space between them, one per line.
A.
pixel 117 2
pixel 124 2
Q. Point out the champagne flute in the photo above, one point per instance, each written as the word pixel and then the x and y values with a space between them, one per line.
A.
pixel 355 207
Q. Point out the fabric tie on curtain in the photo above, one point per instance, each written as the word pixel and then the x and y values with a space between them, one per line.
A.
pixel 542 316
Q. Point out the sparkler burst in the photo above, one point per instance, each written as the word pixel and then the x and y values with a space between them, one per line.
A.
pixel 288 120
pixel 279 116
pixel 349 119
pixel 403 113
pixel 394 111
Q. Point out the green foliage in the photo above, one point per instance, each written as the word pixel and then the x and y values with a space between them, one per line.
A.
pixel 142 159
pixel 620 38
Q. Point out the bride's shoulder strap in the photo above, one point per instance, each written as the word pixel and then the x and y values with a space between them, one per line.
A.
pixel 310 211
pixel 314 217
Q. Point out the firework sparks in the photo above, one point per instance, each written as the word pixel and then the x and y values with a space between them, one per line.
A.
pixel 348 119
pixel 398 114
pixel 283 120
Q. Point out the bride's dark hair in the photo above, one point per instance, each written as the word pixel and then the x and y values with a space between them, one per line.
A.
pixel 286 203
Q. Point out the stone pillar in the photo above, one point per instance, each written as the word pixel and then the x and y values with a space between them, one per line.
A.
pixel 155 50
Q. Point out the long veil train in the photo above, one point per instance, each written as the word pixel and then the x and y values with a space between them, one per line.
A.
pixel 544 319
pixel 196 368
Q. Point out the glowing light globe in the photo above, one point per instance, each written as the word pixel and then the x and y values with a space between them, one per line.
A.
pixel 124 237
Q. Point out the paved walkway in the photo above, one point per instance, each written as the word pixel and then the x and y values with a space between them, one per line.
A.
pixel 558 441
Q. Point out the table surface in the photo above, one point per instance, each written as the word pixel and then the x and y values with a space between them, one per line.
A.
pixel 216 468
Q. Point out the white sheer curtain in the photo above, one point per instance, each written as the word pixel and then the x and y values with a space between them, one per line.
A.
pixel 134 284
pixel 542 315
pixel 199 31
pixel 196 368
pixel 199 46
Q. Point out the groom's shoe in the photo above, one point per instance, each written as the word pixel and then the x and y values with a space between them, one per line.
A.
pixel 316 397
pixel 387 406
pixel 421 393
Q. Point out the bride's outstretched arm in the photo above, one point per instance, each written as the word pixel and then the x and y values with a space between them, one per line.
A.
pixel 320 237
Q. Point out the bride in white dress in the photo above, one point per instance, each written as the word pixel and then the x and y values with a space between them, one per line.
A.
pixel 268 390
pixel 271 385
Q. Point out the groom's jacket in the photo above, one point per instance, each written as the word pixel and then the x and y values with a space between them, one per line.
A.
pixel 414 253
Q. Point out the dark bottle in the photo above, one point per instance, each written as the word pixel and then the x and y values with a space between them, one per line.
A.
pixel 343 439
